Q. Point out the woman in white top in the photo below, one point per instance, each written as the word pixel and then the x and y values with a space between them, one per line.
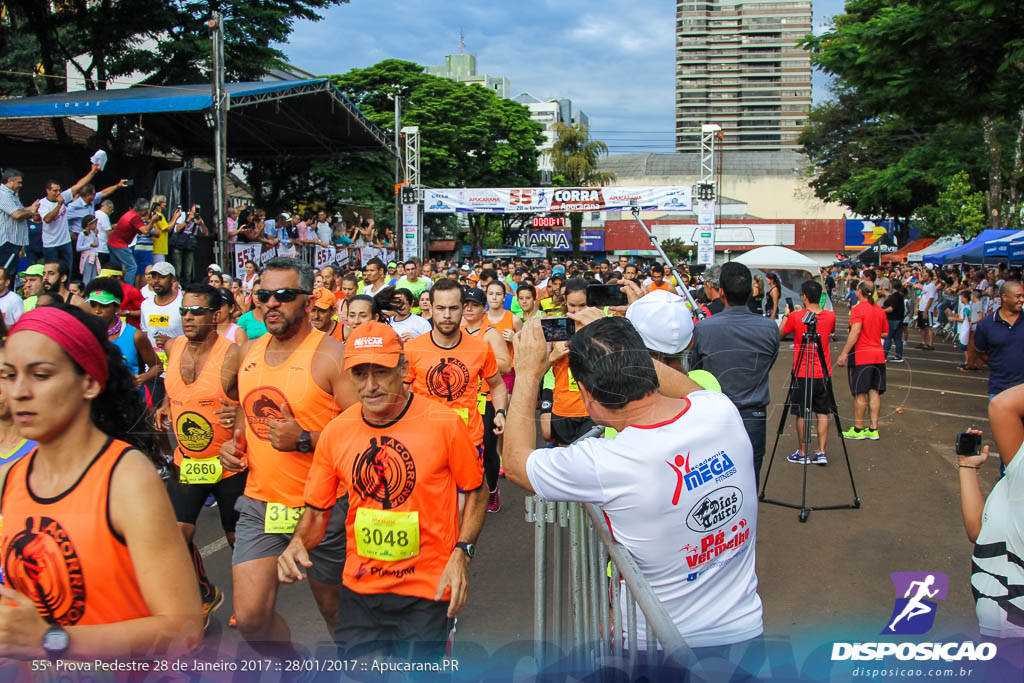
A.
pixel 226 326
pixel 249 279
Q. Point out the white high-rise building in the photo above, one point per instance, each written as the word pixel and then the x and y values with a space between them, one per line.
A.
pixel 548 113
pixel 738 65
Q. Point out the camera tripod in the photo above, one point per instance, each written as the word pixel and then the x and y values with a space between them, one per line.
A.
pixel 810 354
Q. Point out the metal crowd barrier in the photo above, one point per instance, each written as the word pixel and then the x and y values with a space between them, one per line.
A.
pixel 586 596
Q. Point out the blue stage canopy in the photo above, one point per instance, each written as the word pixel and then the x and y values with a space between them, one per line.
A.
pixel 265 119
pixel 970 252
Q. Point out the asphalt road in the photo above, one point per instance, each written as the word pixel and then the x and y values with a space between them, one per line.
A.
pixel 829 573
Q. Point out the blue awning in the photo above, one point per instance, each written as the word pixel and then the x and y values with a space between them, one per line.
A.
pixel 274 118
pixel 971 252
pixel 1000 248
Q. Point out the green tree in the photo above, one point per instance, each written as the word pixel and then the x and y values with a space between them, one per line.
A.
pixel 959 209
pixel 883 166
pixel 936 65
pixel 469 137
pixel 575 157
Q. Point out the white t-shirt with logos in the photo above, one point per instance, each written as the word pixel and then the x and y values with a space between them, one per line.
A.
pixel 681 497
pixel 56 233
pixel 998 559
pixel 414 325
pixel 928 297
pixel 161 319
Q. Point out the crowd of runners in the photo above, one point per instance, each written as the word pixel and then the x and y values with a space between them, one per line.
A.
pixel 352 426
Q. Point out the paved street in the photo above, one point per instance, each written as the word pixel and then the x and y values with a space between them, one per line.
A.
pixel 829 573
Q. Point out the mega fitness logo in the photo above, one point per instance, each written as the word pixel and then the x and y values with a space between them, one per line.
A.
pixel 262 406
pixel 385 472
pixel 715 468
pixel 913 613
pixel 194 432
pixel 449 379
pixel 42 564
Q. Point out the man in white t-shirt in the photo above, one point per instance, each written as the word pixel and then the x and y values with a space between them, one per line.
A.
pixel 676 484
pixel 103 228
pixel 925 302
pixel 407 324
pixel 324 231
pixel 161 319
pixel 54 210
pixel 11 305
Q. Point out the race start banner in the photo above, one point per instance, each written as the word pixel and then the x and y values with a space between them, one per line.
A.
pixel 546 199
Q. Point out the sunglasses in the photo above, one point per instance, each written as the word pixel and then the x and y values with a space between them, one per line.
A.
pixel 196 310
pixel 282 295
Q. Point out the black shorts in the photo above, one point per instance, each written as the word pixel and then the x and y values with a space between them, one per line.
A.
pixel 924 319
pixel 820 401
pixel 188 499
pixel 565 430
pixel 372 622
pixel 865 378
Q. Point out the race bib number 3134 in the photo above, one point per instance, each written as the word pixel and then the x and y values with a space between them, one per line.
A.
pixel 281 519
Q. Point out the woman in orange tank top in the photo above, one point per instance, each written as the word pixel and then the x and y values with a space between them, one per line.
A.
pixel 94 567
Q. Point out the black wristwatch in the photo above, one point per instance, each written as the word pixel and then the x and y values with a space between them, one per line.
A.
pixel 502 411
pixel 467 548
pixel 56 642
pixel 305 442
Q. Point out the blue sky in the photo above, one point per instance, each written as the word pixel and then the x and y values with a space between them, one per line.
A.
pixel 612 58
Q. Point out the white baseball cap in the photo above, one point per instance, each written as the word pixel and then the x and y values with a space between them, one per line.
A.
pixel 663 321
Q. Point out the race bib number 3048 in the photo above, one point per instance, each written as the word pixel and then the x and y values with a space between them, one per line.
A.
pixel 387 535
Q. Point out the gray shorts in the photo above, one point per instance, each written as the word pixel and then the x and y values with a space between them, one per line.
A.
pixel 253 543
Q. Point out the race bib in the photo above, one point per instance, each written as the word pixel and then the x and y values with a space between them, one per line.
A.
pixel 162 355
pixel 481 403
pixel 464 414
pixel 387 535
pixel 201 471
pixel 281 519
pixel 573 385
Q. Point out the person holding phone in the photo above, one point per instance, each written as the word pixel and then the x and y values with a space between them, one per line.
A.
pixel 184 242
pixel 995 525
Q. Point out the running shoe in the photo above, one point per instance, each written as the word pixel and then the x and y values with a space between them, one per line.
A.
pixel 232 622
pixel 494 501
pixel 820 458
pixel 962 367
pixel 501 472
pixel 854 433
pixel 797 458
pixel 210 607
pixel 871 434
pixel 897 359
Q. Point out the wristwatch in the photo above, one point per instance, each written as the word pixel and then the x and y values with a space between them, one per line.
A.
pixel 305 442
pixel 502 411
pixel 56 642
pixel 467 548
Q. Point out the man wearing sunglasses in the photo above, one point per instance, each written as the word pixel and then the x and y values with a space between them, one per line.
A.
pixel 202 372
pixel 161 319
pixel 291 384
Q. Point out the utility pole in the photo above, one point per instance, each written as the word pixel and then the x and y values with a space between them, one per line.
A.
pixel 220 133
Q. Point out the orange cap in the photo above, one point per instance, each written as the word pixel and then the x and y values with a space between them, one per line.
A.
pixel 323 298
pixel 373 342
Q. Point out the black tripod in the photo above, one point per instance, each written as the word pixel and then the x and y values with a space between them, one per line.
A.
pixel 809 354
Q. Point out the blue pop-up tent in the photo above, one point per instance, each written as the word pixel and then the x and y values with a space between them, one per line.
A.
pixel 970 252
pixel 1016 251
pixel 1000 248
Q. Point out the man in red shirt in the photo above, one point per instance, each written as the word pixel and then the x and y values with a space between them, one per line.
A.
pixel 131 305
pixel 807 369
pixel 129 226
pixel 868 326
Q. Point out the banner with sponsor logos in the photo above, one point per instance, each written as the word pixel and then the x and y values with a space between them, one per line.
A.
pixel 545 199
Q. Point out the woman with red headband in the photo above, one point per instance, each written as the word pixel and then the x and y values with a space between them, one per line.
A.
pixel 92 559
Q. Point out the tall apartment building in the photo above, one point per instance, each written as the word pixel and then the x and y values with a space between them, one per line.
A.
pixel 738 65
pixel 548 113
pixel 462 68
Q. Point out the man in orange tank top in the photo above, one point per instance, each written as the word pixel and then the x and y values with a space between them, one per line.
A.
pixel 202 372
pixel 322 315
pixel 291 384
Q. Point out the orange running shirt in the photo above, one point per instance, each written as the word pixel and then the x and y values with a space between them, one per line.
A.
pixel 62 552
pixel 415 464
pixel 453 375
pixel 339 332
pixel 665 286
pixel 507 322
pixel 196 427
pixel 568 401
pixel 277 476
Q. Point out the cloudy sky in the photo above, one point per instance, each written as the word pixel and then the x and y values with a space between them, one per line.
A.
pixel 612 58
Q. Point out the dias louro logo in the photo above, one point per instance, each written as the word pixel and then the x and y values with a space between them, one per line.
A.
pixel 917 596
